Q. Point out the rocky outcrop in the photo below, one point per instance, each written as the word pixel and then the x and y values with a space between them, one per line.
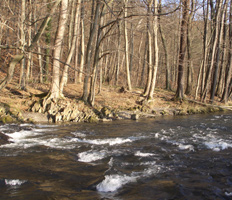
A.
pixel 9 114
pixel 65 110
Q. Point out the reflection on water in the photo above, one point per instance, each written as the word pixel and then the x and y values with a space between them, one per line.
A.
pixel 166 158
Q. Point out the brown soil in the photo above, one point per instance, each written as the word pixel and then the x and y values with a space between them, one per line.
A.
pixel 110 97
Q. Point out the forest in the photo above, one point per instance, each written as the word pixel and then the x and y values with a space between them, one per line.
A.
pixel 181 46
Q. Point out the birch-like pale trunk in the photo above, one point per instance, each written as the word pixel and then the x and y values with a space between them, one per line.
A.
pixel 64 78
pixel 22 80
pixel 228 77
pixel 55 88
pixel 156 49
pixel 127 46
pixel 118 54
pixel 215 76
pixel 29 59
pixel 212 61
pixel 82 49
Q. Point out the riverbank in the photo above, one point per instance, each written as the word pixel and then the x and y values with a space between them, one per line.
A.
pixel 112 103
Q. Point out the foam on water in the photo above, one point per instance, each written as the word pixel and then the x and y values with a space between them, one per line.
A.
pixel 186 147
pixel 26 139
pixel 78 134
pixel 229 194
pixel 195 137
pixel 14 182
pixel 140 154
pixel 112 183
pixel 91 156
pixel 218 145
pixel 16 136
pixel 111 141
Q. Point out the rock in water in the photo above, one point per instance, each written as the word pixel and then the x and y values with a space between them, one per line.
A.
pixel 4 139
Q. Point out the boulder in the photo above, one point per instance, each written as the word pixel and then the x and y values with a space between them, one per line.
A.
pixel 4 139
pixel 135 116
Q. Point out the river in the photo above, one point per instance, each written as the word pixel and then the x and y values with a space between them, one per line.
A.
pixel 182 157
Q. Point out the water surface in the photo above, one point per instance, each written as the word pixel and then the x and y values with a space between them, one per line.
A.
pixel 164 158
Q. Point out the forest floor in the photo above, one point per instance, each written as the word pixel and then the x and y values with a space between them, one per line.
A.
pixel 119 104
pixel 127 102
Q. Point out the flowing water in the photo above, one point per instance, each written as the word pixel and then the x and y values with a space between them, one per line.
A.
pixel 165 158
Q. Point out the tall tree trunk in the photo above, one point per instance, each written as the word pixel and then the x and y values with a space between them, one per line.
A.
pixel 205 50
pixel 226 91
pixel 150 54
pixel 140 59
pixel 144 61
pixel 88 52
pixel 223 58
pixel 47 50
pixel 166 54
pixel 131 49
pixel 72 47
pixel 22 81
pixel 183 42
pixel 82 47
pixel 118 54
pixel 215 77
pixel 29 59
pixel 156 49
pixel 189 86
pixel 55 89
pixel 212 60
pixel 39 49
pixel 91 97
pixel 127 45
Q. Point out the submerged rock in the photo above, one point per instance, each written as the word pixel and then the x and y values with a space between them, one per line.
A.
pixel 4 139
pixel 135 116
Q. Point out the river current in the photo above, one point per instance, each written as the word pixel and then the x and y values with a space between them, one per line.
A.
pixel 188 157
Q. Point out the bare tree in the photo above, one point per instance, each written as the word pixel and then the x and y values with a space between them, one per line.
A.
pixel 17 58
pixel 55 88
pixel 183 43
pixel 72 47
pixel 227 86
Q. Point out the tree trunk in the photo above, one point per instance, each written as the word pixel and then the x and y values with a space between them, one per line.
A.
pixel 88 52
pixel 215 77
pixel 166 54
pixel 212 60
pixel 91 97
pixel 22 80
pixel 118 54
pixel 144 61
pixel 150 54
pixel 226 91
pixel 189 86
pixel 48 30
pixel 64 78
pixel 127 45
pixel 29 59
pixel 55 89
pixel 156 49
pixel 82 47
pixel 183 42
